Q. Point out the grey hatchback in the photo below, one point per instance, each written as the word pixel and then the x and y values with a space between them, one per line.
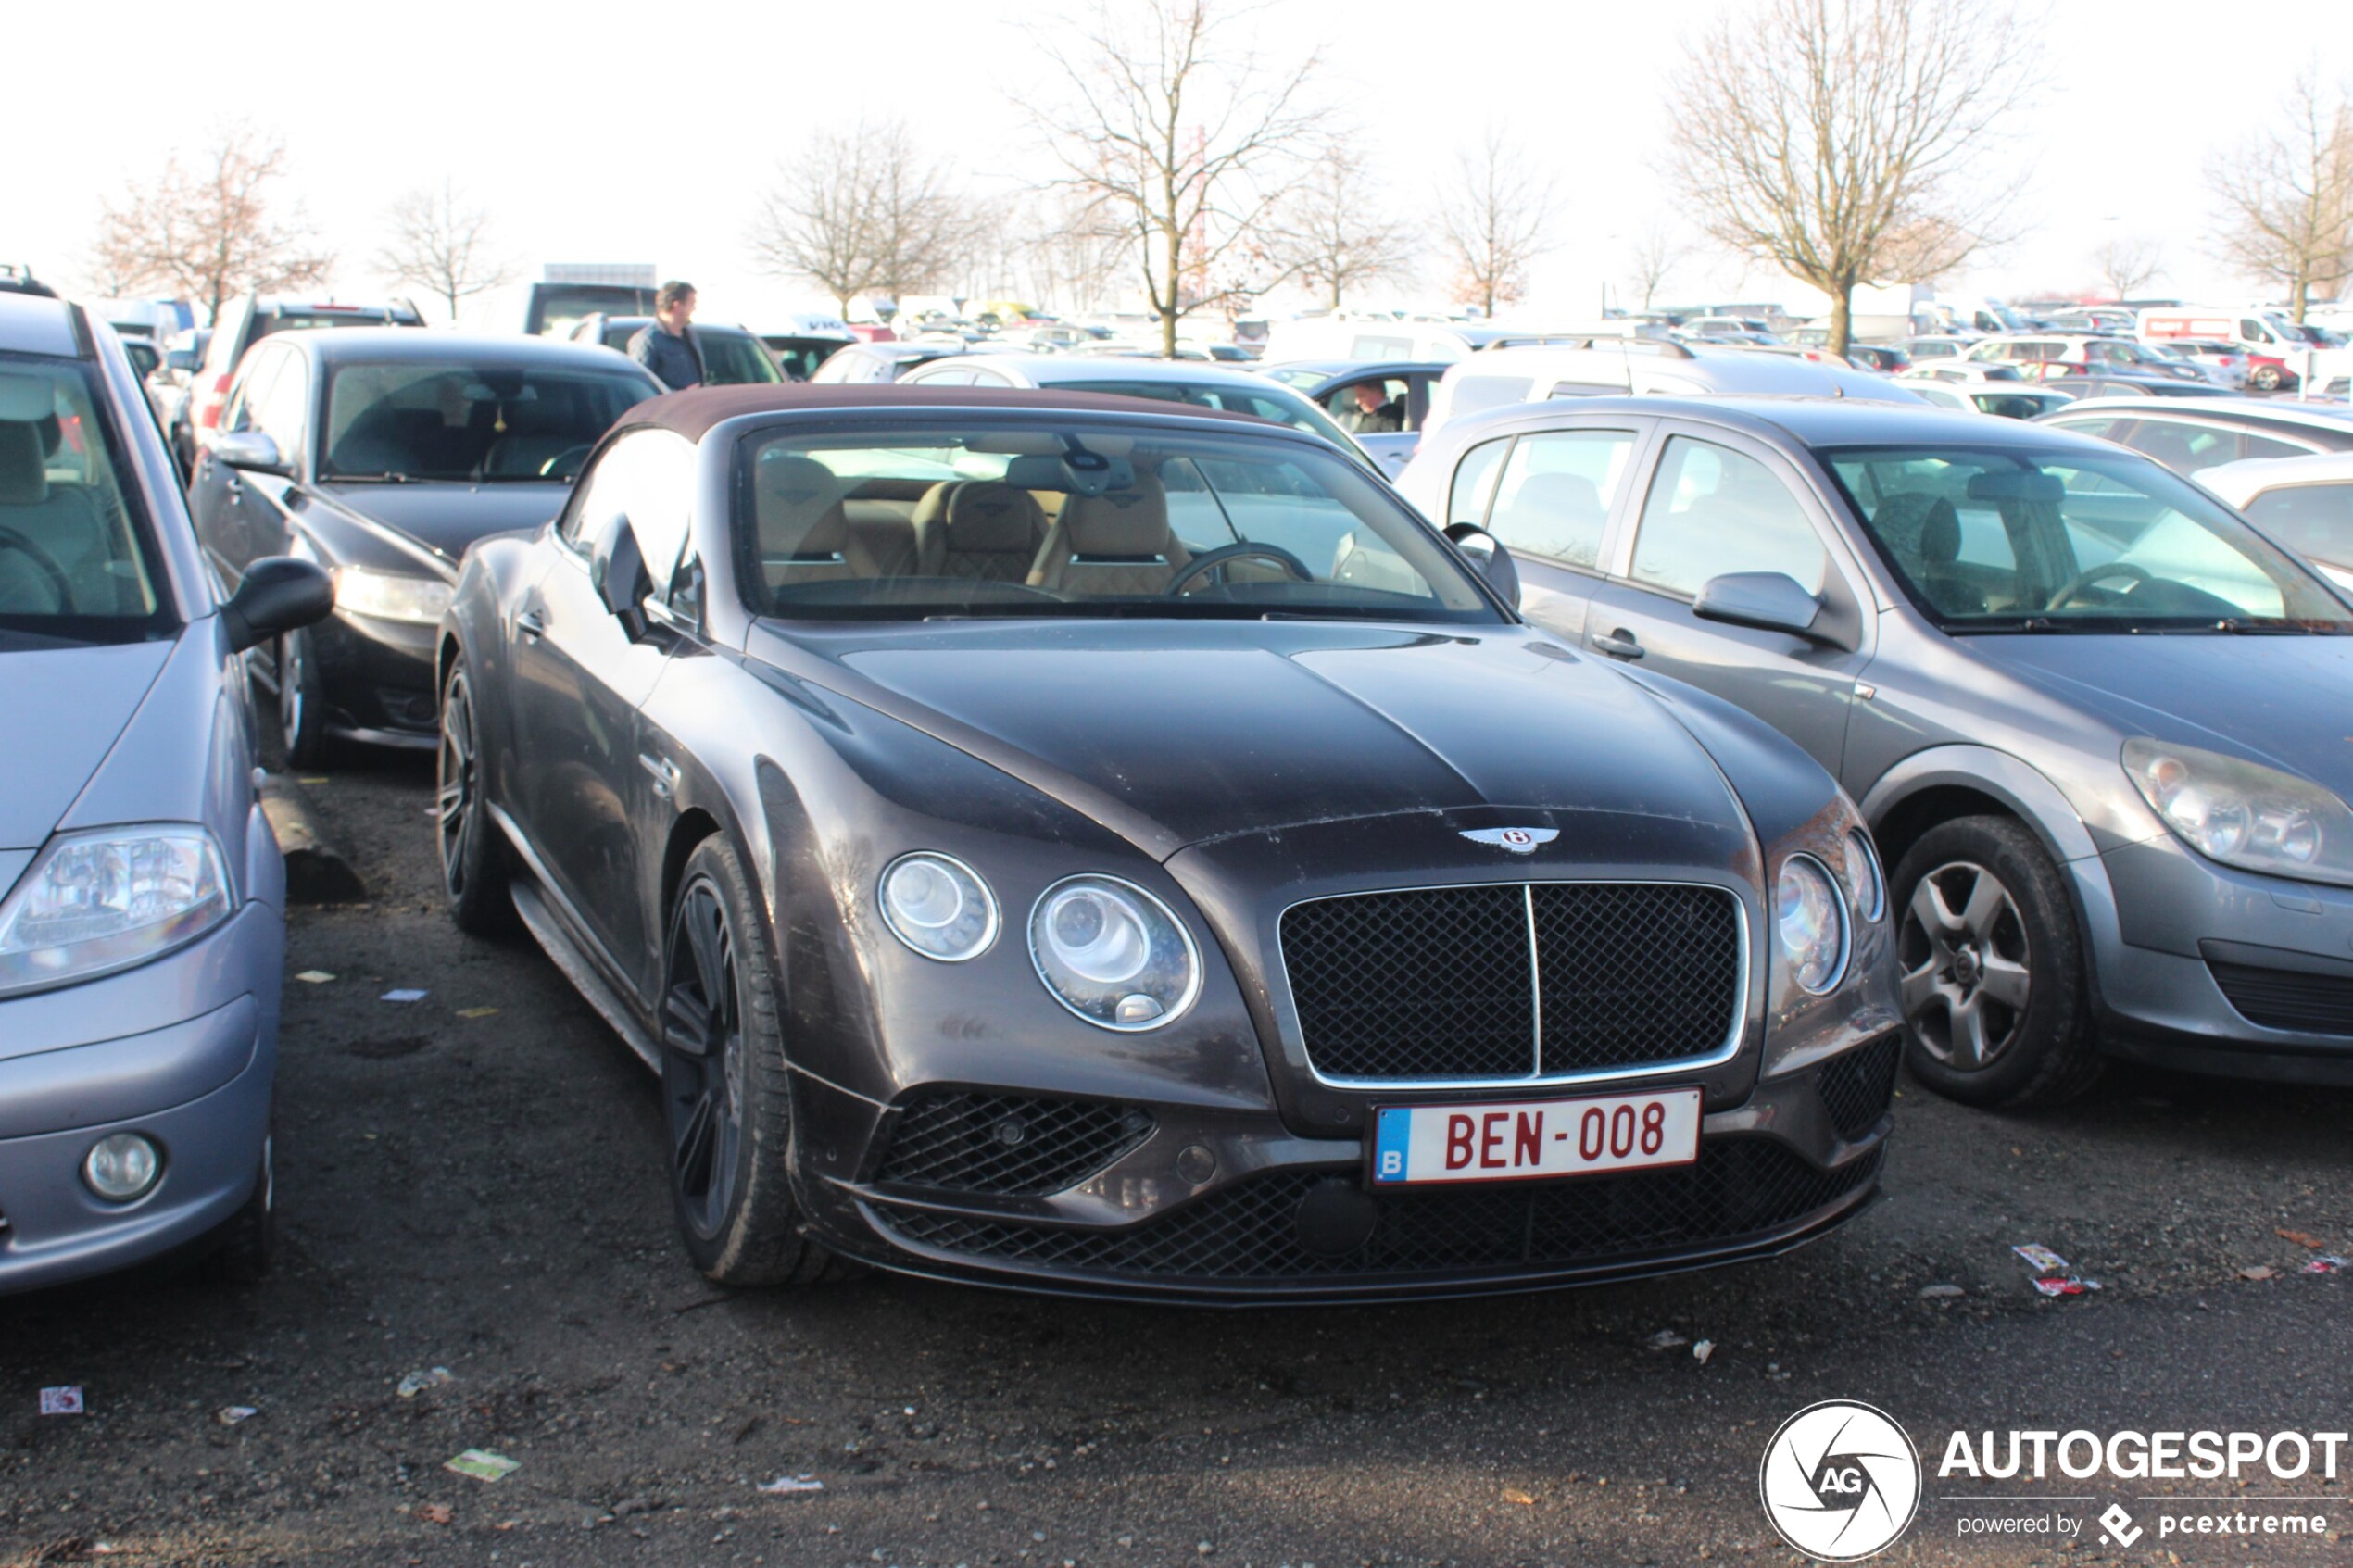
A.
pixel 2097 722
pixel 141 932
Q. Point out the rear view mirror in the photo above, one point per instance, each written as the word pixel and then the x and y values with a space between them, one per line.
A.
pixel 1074 473
pixel 278 595
pixel 617 572
pixel 1488 557
pixel 2016 484
pixel 1769 601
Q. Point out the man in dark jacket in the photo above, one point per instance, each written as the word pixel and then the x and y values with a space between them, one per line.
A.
pixel 668 347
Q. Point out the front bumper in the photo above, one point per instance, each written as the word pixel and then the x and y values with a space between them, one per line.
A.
pixel 2220 971
pixel 182 1050
pixel 1207 1207
pixel 378 677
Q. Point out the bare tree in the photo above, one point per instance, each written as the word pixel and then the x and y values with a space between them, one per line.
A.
pixel 1494 219
pixel 1837 139
pixel 1169 125
pixel 1333 234
pixel 1080 251
pixel 1658 250
pixel 2129 264
pixel 2287 195
pixel 208 229
pixel 440 241
pixel 862 211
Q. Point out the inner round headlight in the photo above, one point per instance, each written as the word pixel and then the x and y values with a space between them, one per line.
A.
pixel 1812 926
pixel 1865 883
pixel 1114 954
pixel 938 906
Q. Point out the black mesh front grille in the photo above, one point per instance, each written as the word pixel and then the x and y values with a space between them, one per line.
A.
pixel 1857 1087
pixel 1635 973
pixel 1437 982
pixel 2284 999
pixel 1428 984
pixel 1009 1145
pixel 1741 1188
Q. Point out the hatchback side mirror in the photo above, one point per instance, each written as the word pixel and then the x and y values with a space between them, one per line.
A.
pixel 1769 601
pixel 1488 557
pixel 279 593
pixel 250 449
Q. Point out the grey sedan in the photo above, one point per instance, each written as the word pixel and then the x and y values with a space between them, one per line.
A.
pixel 141 932
pixel 2097 722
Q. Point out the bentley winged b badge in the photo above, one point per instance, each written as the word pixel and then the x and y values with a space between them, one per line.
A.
pixel 1519 841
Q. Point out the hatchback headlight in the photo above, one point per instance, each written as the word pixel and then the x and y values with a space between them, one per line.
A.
pixel 938 906
pixel 98 902
pixel 2242 813
pixel 387 596
pixel 1811 921
pixel 1113 954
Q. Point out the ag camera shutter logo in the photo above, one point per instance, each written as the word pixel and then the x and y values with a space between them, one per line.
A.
pixel 1840 1481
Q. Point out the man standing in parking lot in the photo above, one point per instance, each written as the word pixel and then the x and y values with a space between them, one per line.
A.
pixel 667 347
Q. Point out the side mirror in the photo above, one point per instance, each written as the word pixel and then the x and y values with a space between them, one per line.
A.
pixel 617 572
pixel 183 360
pixel 250 449
pixel 1488 557
pixel 278 595
pixel 1769 601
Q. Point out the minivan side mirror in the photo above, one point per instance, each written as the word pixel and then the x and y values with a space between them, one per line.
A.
pixel 617 572
pixel 1769 601
pixel 278 595
pixel 250 449
pixel 1488 557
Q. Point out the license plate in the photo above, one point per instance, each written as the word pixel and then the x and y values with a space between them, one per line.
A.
pixel 1532 1140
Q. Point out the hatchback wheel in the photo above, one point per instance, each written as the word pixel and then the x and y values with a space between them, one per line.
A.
pixel 2265 378
pixel 726 1100
pixel 1995 1007
pixel 473 853
pixel 302 716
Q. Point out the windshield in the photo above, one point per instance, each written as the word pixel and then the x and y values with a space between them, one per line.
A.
pixel 1283 408
pixel 1989 540
pixel 76 562
pixel 736 359
pixel 440 420
pixel 1037 520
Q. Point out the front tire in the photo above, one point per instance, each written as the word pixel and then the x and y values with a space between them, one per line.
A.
pixel 302 707
pixel 2265 378
pixel 474 852
pixel 1996 1006
pixel 727 1097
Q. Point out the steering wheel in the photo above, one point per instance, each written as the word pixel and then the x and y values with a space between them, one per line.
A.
pixel 1211 559
pixel 44 562
pixel 2084 580
pixel 555 465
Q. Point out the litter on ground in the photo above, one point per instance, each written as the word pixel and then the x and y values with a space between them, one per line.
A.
pixel 792 1484
pixel 65 1400
pixel 416 1383
pixel 314 977
pixel 403 993
pixel 482 1464
pixel 233 1415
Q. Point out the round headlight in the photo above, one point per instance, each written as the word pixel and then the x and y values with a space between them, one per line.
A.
pixel 121 1166
pixel 1812 925
pixel 1113 954
pixel 1865 883
pixel 938 906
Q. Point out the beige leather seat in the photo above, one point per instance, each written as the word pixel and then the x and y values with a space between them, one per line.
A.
pixel 804 529
pixel 982 530
pixel 1117 543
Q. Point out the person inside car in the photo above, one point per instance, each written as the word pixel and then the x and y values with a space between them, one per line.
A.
pixel 667 346
pixel 1370 414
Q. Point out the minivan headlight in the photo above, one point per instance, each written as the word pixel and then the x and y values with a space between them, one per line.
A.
pixel 98 902
pixel 1113 954
pixel 387 595
pixel 2242 813
pixel 1811 922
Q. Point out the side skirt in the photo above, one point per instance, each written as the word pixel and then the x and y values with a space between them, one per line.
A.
pixel 538 905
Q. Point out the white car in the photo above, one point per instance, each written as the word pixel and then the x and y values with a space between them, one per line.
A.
pixel 1494 377
pixel 2305 503
pixel 2011 400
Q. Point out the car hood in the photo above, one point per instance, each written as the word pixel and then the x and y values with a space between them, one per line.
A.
pixel 444 518
pixel 2277 699
pixel 63 709
pixel 1205 730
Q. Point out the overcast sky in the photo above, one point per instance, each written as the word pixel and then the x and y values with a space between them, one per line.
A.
pixel 609 132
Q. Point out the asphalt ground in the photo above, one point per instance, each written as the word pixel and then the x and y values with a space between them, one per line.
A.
pixel 475 1182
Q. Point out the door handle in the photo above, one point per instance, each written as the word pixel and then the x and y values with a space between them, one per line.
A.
pixel 664 771
pixel 532 624
pixel 1619 644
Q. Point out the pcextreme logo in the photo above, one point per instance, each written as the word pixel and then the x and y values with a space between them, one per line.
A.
pixel 1840 1481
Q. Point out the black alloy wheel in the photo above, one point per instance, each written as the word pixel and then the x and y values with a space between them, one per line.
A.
pixel 473 853
pixel 725 1091
pixel 1996 1009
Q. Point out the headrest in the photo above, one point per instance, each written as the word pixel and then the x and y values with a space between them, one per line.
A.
pixel 798 503
pixel 1557 493
pixel 986 516
pixel 1915 522
pixel 24 480
pixel 1119 523
pixel 932 510
pixel 27 396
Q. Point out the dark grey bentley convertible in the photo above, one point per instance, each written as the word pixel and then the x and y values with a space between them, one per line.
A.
pixel 1089 845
